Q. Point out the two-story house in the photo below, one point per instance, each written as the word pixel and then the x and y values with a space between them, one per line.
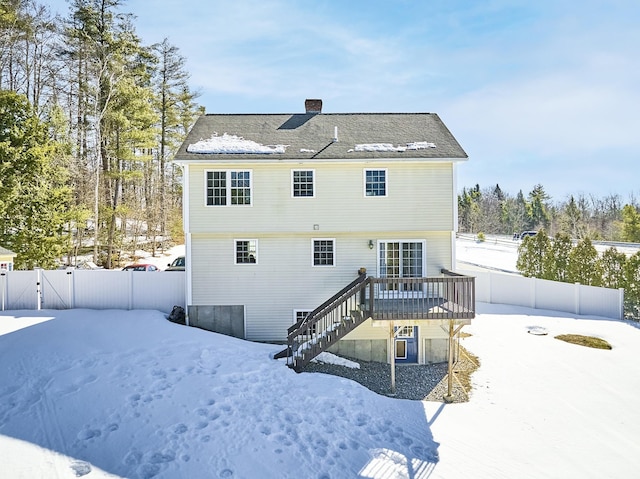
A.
pixel 283 211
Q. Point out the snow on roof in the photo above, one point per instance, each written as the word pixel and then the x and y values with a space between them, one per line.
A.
pixel 232 144
pixel 416 145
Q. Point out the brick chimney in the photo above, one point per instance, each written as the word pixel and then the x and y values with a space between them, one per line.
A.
pixel 313 106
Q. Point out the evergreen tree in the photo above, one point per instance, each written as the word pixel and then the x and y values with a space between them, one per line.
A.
pixel 630 224
pixel 571 221
pixel 556 262
pixel 33 197
pixel 177 112
pixel 613 265
pixel 532 254
pixel 538 209
pixel 584 264
pixel 632 285
pixel 469 209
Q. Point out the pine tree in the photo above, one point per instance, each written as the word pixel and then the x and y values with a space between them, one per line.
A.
pixel 33 197
pixel 532 254
pixel 632 285
pixel 556 262
pixel 613 266
pixel 630 224
pixel 177 112
pixel 537 208
pixel 584 264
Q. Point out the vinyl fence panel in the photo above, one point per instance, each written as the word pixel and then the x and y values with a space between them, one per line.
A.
pixel 92 289
pixel 501 288
pixel 159 290
pixel 555 295
pixel 510 289
pixel 103 289
pixel 600 301
pixel 20 290
pixel 57 289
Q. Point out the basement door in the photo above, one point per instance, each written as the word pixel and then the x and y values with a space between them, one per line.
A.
pixel 406 344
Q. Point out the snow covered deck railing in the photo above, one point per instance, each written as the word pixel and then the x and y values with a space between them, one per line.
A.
pixel 450 296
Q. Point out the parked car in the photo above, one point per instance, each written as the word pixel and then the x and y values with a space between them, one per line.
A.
pixel 524 234
pixel 140 267
pixel 177 264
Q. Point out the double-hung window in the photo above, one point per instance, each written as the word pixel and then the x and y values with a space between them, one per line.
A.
pixel 324 252
pixel 225 188
pixel 246 251
pixel 302 183
pixel 375 182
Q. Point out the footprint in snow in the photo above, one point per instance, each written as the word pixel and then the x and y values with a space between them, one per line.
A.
pixel 87 434
pixel 180 428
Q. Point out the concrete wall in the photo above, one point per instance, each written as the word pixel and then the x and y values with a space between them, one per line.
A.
pixel 364 350
pixel 227 320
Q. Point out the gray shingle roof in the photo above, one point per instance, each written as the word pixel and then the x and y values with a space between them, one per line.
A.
pixel 5 251
pixel 308 131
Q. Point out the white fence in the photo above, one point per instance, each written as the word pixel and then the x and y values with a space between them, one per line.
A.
pixel 501 288
pixel 91 289
pixel 105 289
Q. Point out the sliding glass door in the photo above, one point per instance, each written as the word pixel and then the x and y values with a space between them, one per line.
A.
pixel 401 259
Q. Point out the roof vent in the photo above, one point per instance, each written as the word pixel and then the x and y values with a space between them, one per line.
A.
pixel 313 106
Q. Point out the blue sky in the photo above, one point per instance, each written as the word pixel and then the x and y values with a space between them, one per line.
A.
pixel 536 92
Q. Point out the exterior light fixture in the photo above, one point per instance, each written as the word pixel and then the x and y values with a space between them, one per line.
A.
pixel 370 244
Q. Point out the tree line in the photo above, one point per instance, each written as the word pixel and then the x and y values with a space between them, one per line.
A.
pixel 493 211
pixel 560 259
pixel 90 118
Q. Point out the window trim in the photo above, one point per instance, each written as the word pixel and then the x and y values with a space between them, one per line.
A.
pixel 401 241
pixel 313 253
pixel 235 252
pixel 313 182
pixel 386 182
pixel 228 187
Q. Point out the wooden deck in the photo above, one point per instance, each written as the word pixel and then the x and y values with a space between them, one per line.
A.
pixel 422 309
pixel 450 296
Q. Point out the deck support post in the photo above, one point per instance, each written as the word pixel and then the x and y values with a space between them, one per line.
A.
pixel 392 358
pixel 453 331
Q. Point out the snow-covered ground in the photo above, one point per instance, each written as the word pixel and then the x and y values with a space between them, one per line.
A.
pixel 129 394
pixel 501 253
pixel 162 260
pixel 493 254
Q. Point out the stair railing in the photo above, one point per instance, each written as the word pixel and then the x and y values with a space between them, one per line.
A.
pixel 326 324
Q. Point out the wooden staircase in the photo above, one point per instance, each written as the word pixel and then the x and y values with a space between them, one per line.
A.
pixel 327 324
pixel 450 296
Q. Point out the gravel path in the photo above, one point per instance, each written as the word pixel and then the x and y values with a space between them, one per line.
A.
pixel 413 381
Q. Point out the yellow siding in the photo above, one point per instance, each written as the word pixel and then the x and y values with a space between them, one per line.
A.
pixel 419 198
pixel 419 206
pixel 367 330
pixel 283 278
